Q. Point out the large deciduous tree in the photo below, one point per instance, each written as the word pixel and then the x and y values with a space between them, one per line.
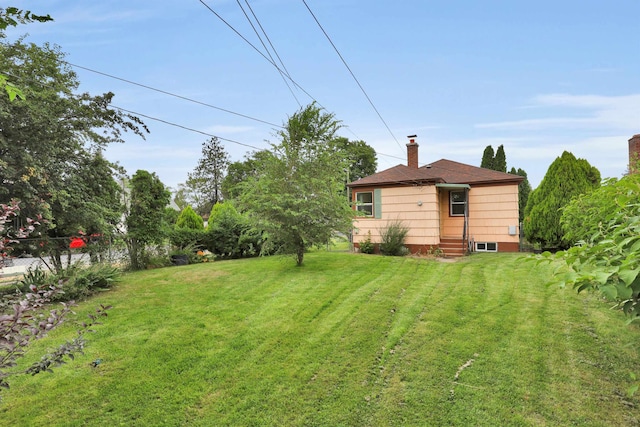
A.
pixel 10 17
pixel 566 178
pixel 361 158
pixel 206 179
pixel 297 196
pixel 239 172
pixel 49 142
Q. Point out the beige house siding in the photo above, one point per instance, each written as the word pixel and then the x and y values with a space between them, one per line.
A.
pixel 402 203
pixel 492 210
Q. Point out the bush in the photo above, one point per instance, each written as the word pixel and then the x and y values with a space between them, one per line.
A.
pixel 229 234
pixel 186 238
pixel 393 239
pixel 367 247
pixel 79 283
pixel 189 219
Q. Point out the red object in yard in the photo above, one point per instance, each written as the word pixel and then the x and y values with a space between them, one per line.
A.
pixel 77 243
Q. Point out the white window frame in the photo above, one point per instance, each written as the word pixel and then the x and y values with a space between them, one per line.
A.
pixel 453 203
pixel 362 206
pixel 485 247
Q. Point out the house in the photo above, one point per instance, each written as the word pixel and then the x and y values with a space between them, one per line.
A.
pixel 446 205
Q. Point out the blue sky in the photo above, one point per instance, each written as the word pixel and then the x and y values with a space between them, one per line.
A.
pixel 537 77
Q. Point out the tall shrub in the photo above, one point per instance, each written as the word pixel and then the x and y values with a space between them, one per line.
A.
pixel 229 234
pixel 145 218
pixel 188 218
pixel 566 178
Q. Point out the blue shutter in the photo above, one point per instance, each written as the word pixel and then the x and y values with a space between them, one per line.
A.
pixel 377 203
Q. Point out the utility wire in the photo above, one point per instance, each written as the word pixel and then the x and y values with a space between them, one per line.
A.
pixel 282 73
pixel 185 127
pixel 266 36
pixel 352 74
pixel 212 135
pixel 184 97
pixel 226 139
pixel 172 94
pixel 261 54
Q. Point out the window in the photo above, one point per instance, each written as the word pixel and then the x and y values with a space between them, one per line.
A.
pixel 364 203
pixel 486 247
pixel 457 202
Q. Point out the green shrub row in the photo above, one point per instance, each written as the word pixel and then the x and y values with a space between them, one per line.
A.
pixel 78 282
pixel 225 240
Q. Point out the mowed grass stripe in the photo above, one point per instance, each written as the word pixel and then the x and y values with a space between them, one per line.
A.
pixel 346 340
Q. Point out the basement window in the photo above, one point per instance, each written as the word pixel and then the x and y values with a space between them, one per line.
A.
pixel 486 247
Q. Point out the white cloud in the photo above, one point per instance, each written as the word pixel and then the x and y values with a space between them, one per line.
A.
pixel 621 113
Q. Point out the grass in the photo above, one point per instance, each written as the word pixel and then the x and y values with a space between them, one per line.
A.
pixel 346 340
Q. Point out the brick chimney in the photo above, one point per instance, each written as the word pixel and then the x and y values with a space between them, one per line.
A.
pixel 412 152
pixel 634 153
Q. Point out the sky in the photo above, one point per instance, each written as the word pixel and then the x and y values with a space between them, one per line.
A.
pixel 537 77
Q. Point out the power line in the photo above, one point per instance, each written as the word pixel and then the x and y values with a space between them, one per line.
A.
pixel 184 97
pixel 185 127
pixel 282 75
pixel 351 72
pixel 261 54
pixel 172 94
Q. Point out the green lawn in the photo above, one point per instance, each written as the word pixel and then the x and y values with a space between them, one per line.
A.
pixel 346 340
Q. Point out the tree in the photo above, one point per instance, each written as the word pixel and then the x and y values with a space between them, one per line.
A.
pixel 55 133
pixel 88 203
pixel 12 16
pixel 361 158
pixel 207 177
pixel 524 189
pixel 188 218
pixel 487 158
pixel 500 160
pixel 566 178
pixel 239 172
pixel 297 195
pixel 497 161
pixel 222 212
pixel 145 217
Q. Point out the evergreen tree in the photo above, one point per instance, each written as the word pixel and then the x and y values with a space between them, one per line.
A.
pixel 206 179
pixel 188 218
pixel 524 190
pixel 487 158
pixel 145 219
pixel 500 160
pixel 566 178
